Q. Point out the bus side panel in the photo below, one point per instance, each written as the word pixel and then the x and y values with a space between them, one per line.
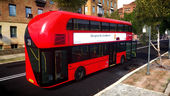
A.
pixel 119 55
pixel 71 73
pixel 90 66
pixel 97 66
pixel 29 72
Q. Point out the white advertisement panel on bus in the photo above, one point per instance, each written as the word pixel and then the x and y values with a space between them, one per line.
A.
pixel 81 38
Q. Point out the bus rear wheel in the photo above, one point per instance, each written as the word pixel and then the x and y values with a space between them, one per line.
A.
pixel 79 74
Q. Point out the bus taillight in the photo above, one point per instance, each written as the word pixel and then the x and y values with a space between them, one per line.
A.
pixel 32 81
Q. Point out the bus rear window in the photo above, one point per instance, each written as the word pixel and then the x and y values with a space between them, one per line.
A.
pixel 113 27
pixel 120 27
pixel 126 28
pixel 80 53
pixel 70 24
pixel 81 24
pixel 130 28
pixel 95 26
pixel 105 26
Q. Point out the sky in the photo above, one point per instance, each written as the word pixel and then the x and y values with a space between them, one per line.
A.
pixel 121 2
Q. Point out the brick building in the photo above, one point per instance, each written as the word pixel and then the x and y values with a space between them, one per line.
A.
pixel 99 7
pixel 127 8
pixel 15 15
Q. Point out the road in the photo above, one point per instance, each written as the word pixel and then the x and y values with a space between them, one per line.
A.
pixel 89 86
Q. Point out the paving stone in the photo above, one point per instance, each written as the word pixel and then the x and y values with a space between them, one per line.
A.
pixel 128 90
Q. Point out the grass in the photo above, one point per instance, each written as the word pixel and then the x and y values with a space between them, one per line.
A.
pixel 149 86
pixel 12 60
pixel 168 80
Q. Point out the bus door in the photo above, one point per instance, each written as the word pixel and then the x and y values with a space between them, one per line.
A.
pixel 61 69
pixel 53 66
pixel 112 54
pixel 128 49
pixel 47 66
pixel 134 47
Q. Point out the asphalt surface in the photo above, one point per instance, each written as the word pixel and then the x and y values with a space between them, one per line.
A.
pixel 91 85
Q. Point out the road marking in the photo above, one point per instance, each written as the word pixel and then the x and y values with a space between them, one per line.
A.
pixel 23 74
pixel 12 77
pixel 144 47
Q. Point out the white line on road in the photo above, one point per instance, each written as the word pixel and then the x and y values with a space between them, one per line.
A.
pixel 12 76
pixel 143 47
pixel 23 74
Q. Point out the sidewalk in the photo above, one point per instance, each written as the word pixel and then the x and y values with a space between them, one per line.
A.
pixel 12 58
pixel 120 88
pixel 128 90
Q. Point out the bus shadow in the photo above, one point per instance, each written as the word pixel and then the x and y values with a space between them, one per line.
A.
pixel 61 86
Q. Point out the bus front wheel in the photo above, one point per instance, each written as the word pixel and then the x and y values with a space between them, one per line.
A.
pixel 80 73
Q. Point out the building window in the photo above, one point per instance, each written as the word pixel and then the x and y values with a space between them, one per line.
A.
pixel 98 1
pixel 0 32
pixel 86 9
pixel 27 11
pixel 111 4
pixel 103 12
pixel 108 3
pixel 93 0
pixel 93 9
pixel 12 10
pixel 0 47
pixel 79 10
pixel 127 9
pixel 115 5
pixel 13 31
pixel 40 11
pixel 103 2
pixel 51 2
pixel 14 46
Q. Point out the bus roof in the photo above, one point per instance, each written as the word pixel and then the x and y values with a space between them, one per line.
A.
pixel 44 27
pixel 95 18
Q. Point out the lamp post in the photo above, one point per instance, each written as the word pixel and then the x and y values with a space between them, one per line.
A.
pixel 148 30
pixel 168 31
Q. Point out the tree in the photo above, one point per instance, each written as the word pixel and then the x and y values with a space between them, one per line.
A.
pixel 152 13
pixel 131 17
pixel 70 5
pixel 114 15
pixel 165 24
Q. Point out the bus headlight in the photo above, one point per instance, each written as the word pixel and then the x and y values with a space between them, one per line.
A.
pixel 29 42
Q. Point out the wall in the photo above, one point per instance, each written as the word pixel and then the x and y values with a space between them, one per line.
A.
pixel 6 40
pixel 20 20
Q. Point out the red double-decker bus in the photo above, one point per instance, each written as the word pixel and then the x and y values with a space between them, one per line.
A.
pixel 63 46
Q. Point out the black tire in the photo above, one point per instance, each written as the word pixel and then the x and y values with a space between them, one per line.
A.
pixel 79 74
pixel 122 59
